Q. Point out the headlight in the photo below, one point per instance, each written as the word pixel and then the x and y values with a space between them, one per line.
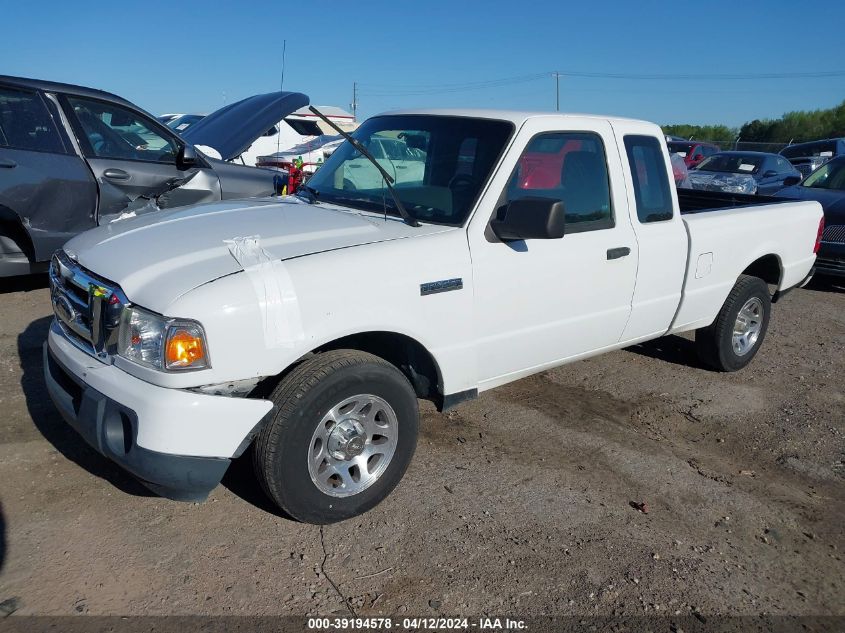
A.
pixel 162 343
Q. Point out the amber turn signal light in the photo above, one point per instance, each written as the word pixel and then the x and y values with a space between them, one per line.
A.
pixel 185 348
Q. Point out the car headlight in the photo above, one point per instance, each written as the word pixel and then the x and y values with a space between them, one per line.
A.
pixel 162 343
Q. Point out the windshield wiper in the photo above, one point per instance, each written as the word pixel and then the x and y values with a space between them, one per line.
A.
pixel 309 193
pixel 388 180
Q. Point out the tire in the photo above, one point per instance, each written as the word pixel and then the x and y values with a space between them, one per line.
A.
pixel 716 344
pixel 323 434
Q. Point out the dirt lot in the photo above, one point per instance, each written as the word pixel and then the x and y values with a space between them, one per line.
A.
pixel 519 503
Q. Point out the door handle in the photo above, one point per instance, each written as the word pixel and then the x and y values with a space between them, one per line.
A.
pixel 616 253
pixel 8 163
pixel 116 174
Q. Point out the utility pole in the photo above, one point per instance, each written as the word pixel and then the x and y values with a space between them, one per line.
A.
pixel 354 101
pixel 557 75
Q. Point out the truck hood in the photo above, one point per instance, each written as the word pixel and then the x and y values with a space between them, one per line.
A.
pixel 233 128
pixel 158 257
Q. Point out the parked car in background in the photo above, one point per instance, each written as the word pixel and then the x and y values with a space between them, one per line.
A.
pixel 693 152
pixel 405 162
pixel 744 172
pixel 184 121
pixel 166 118
pixel 311 153
pixel 827 186
pixel 808 157
pixel 72 158
pixel 284 129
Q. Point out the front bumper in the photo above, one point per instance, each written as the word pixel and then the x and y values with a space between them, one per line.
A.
pixel 177 443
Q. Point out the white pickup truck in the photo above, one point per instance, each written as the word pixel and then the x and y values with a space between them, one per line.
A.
pixel 304 329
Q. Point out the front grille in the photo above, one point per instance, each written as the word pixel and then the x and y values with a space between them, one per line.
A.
pixel 87 307
pixel 834 234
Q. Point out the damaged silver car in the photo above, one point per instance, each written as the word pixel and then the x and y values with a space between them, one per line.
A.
pixel 72 158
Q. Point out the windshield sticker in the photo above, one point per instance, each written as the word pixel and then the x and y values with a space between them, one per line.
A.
pixel 682 154
pixel 746 167
pixel 826 154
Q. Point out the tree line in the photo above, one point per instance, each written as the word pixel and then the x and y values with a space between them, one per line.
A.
pixel 795 127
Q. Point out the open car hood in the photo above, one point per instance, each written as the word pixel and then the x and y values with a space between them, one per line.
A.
pixel 233 128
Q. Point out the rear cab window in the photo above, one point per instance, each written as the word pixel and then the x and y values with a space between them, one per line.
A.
pixel 570 167
pixel 652 192
pixel 26 124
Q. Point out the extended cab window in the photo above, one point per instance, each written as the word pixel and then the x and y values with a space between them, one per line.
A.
pixel 651 181
pixel 26 124
pixel 112 131
pixel 570 167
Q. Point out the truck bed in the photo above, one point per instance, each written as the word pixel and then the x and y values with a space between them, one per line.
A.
pixel 696 200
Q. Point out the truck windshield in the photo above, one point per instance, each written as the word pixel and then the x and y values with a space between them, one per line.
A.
pixel 439 165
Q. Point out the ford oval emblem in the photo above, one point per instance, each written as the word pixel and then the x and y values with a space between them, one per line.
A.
pixel 64 308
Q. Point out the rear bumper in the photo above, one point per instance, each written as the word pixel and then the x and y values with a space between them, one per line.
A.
pixel 117 414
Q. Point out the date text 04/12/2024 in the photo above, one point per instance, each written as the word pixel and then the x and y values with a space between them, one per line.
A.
pixel 416 624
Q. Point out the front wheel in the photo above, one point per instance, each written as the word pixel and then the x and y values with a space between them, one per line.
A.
pixel 736 335
pixel 344 432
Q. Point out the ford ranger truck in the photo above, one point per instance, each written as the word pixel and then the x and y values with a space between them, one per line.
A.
pixel 488 246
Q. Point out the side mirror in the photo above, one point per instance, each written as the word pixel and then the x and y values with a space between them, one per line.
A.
pixel 532 218
pixel 791 180
pixel 769 173
pixel 187 157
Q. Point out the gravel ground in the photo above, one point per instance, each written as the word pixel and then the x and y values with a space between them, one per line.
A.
pixel 633 483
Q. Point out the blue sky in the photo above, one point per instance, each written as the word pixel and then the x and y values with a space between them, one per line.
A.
pixel 194 57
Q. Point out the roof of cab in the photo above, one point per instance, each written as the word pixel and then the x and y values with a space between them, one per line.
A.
pixel 515 116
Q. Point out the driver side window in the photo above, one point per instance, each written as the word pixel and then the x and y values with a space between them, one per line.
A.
pixel 570 167
pixel 111 131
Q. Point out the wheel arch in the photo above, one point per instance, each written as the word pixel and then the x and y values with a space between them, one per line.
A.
pixel 407 354
pixel 13 227
pixel 768 267
pixel 402 351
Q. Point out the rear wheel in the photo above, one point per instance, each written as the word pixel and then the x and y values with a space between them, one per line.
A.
pixel 736 335
pixel 343 435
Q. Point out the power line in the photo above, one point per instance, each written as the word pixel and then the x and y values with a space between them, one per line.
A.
pixel 397 91
pixel 717 76
pixel 400 90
